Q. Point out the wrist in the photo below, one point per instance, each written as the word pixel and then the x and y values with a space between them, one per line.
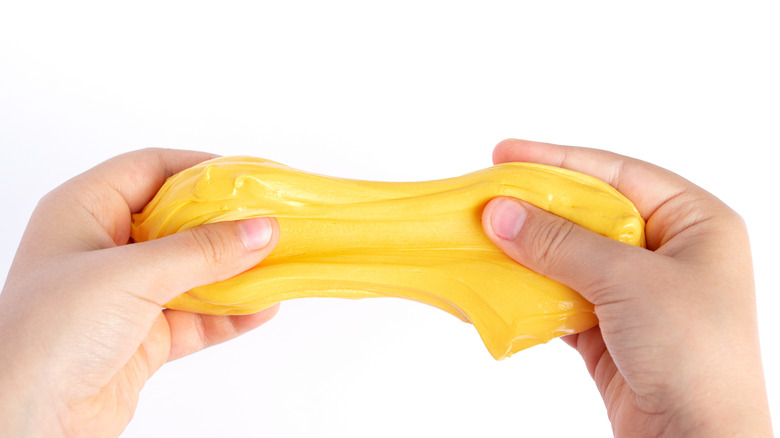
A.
pixel 25 404
pixel 725 422
pixel 23 412
pixel 733 404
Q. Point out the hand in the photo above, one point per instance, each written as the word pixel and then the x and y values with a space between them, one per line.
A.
pixel 676 351
pixel 81 322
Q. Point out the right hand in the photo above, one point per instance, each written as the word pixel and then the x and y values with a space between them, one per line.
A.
pixel 676 352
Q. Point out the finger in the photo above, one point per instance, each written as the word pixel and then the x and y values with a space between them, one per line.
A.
pixel 590 345
pixel 137 176
pixel 558 249
pixel 172 265
pixel 629 176
pixel 664 199
pixel 99 202
pixel 192 332
pixel 570 340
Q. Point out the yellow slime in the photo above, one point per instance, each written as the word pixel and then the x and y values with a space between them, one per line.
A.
pixel 421 241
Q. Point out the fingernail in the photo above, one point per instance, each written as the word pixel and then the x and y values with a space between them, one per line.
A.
pixel 256 232
pixel 507 219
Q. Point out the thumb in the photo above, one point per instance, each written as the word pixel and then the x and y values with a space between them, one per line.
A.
pixel 202 255
pixel 591 264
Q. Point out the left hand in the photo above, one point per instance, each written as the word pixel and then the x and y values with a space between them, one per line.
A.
pixel 82 326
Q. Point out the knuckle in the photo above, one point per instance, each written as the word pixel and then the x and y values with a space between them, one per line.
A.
pixel 606 284
pixel 736 219
pixel 212 247
pixel 549 244
pixel 201 332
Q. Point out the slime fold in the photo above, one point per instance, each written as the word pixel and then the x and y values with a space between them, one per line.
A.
pixel 421 241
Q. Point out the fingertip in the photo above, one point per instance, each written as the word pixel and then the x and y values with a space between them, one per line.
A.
pixel 487 216
pixel 500 151
pixel 256 233
pixel 271 311
pixel 527 151
pixel 245 323
pixel 571 340
pixel 191 332
pixel 506 217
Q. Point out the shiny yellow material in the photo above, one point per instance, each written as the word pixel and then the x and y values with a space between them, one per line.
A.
pixel 421 241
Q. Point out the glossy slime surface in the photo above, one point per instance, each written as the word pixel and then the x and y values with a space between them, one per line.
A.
pixel 421 241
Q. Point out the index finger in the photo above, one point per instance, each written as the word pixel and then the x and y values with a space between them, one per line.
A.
pixel 664 199
pixel 93 209
pixel 137 176
pixel 646 185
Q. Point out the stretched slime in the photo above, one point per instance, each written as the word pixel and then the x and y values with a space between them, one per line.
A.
pixel 421 241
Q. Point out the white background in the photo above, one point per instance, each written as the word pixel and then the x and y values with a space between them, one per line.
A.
pixel 402 90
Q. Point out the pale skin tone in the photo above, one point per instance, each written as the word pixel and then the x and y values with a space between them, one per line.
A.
pixel 676 352
pixel 81 323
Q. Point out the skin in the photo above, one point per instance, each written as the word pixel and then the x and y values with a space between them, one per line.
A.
pixel 676 352
pixel 80 341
